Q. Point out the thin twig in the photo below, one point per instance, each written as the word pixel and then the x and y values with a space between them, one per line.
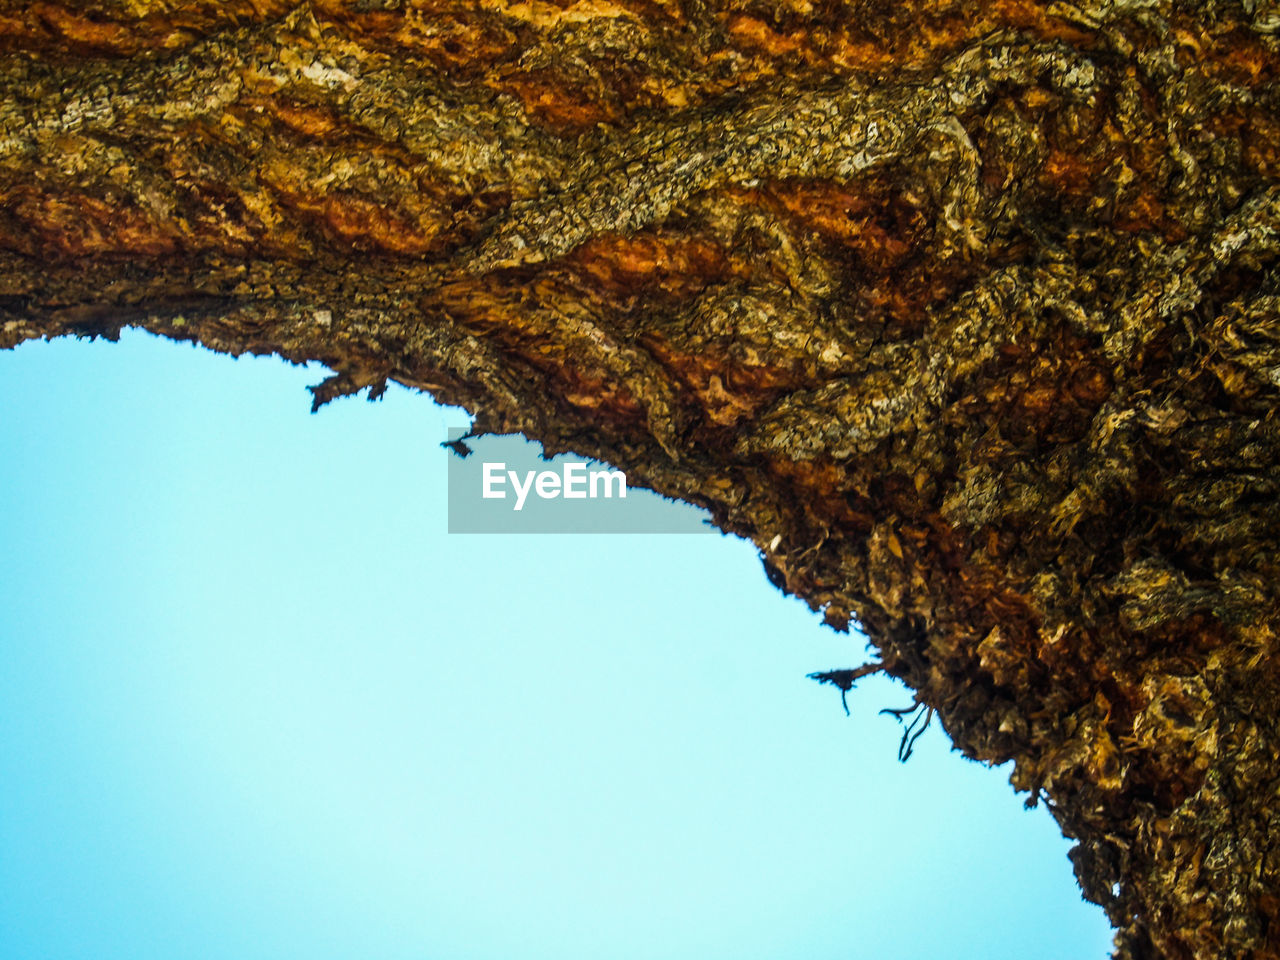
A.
pixel 910 734
pixel 845 679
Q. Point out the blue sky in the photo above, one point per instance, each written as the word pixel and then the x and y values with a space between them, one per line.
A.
pixel 255 702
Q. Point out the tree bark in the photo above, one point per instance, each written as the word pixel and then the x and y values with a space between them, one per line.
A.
pixel 965 313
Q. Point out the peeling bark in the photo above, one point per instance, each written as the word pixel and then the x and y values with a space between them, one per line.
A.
pixel 966 314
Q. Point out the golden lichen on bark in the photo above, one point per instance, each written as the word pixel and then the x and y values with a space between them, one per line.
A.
pixel 965 313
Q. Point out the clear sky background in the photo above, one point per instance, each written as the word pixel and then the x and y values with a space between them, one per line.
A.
pixel 256 704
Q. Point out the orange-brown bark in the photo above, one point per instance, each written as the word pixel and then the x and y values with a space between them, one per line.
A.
pixel 964 313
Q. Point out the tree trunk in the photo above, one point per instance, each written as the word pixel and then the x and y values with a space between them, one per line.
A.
pixel 965 313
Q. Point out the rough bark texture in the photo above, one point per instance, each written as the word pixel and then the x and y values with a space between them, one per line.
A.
pixel 965 313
